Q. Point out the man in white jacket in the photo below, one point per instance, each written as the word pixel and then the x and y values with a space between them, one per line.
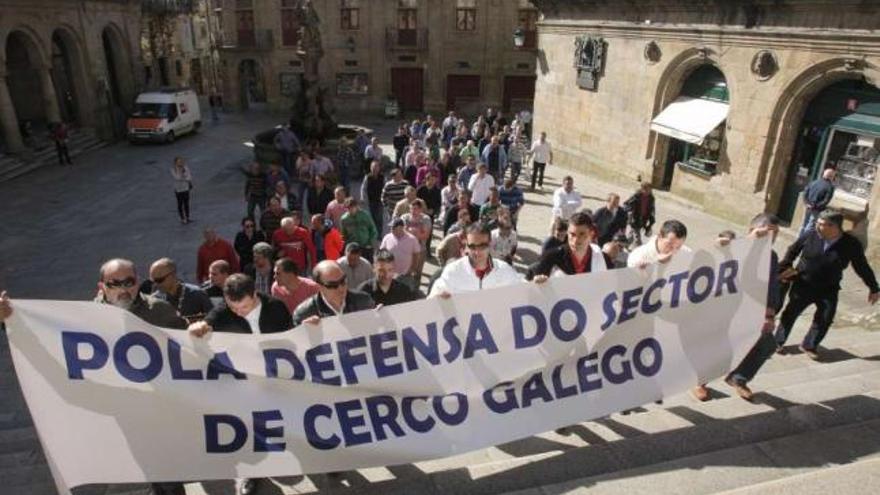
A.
pixel 476 271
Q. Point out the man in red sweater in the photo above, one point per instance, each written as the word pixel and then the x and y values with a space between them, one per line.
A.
pixel 214 248
pixel 294 241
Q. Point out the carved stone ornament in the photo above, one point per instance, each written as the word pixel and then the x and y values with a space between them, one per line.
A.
pixel 589 56
pixel 652 52
pixel 764 65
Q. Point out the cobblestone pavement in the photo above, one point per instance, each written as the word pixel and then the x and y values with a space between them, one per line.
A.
pixel 58 224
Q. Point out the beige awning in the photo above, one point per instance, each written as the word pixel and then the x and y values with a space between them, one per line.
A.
pixel 690 119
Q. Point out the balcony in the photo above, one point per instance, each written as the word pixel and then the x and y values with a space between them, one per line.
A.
pixel 250 40
pixel 403 40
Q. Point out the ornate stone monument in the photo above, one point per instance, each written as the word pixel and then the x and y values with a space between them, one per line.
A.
pixel 312 115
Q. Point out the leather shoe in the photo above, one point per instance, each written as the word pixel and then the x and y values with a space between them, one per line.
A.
pixel 741 389
pixel 781 350
pixel 248 486
pixel 701 393
pixel 811 353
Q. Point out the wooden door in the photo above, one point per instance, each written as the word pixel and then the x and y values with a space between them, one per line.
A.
pixel 519 92
pixel 407 87
pixel 460 86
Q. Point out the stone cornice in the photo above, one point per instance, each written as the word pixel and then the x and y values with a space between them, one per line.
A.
pixel 821 40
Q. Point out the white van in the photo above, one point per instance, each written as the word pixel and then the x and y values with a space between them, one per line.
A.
pixel 164 115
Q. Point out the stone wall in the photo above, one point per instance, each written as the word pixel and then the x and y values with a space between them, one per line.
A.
pixel 606 132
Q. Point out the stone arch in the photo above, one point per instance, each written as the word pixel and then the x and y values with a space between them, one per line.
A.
pixel 70 75
pixel 669 87
pixel 788 113
pixel 26 66
pixel 119 69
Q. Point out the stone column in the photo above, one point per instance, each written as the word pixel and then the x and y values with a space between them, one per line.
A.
pixel 50 99
pixel 8 119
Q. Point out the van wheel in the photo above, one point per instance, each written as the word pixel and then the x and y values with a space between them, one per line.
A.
pixel 169 138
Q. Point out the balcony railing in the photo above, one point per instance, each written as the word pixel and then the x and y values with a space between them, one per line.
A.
pixel 257 39
pixel 406 39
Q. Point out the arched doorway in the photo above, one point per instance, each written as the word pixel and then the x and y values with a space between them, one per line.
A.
pixel 840 128
pixel 692 126
pixel 117 96
pixel 24 67
pixel 68 77
pixel 252 89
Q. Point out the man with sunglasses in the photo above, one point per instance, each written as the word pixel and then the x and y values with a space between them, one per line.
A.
pixel 476 271
pixel 192 303
pixel 333 298
pixel 118 286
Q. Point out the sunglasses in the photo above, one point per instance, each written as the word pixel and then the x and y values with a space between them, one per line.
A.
pixel 334 284
pixel 126 283
pixel 159 280
pixel 480 247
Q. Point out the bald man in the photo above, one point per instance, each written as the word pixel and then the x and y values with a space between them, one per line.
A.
pixel 333 298
pixel 191 302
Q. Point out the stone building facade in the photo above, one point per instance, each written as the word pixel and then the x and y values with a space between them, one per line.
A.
pixel 61 60
pixel 430 55
pixel 733 105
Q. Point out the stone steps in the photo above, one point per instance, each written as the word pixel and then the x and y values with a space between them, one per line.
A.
pixel 792 464
pixel 81 140
pixel 861 477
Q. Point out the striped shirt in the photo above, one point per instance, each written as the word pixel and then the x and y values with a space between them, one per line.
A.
pixel 392 193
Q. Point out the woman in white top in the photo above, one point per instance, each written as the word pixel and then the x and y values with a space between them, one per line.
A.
pixel 182 186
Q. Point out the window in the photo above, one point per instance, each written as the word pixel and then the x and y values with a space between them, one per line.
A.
pixel 528 20
pixel 407 23
pixel 350 14
pixel 244 22
pixel 178 68
pixel 352 84
pixel 289 23
pixel 466 15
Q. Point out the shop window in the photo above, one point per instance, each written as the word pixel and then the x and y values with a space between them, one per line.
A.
pixel 289 23
pixel 707 83
pixel 466 15
pixel 352 84
pixel 528 22
pixel 856 158
pixel 407 23
pixel 350 15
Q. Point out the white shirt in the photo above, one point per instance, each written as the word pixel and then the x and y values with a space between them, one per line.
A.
pixel 541 151
pixel 459 276
pixel 565 204
pixel 479 188
pixel 253 318
pixel 337 313
pixel 647 253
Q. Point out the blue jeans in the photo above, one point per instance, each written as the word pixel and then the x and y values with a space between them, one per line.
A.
pixel 809 221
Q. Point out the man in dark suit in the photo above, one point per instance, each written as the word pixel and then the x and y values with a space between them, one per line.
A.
pixel 578 255
pixel 824 253
pixel 334 297
pixel 244 311
pixel 641 213
pixel 609 219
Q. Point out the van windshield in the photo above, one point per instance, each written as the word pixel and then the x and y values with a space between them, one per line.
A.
pixel 152 110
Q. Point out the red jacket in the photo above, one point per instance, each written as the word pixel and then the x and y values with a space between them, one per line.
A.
pixel 333 244
pixel 220 250
pixel 295 246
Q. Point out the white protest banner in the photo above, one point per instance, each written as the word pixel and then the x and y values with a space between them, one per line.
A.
pixel 117 400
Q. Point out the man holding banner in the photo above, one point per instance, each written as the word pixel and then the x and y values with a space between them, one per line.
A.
pixel 476 271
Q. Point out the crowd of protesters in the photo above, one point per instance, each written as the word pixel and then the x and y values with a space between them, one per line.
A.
pixel 309 248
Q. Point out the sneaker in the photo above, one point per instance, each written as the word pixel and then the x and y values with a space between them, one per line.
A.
pixel 741 389
pixel 248 486
pixel 811 353
pixel 701 393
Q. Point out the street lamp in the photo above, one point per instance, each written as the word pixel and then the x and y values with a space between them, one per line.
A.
pixel 519 38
